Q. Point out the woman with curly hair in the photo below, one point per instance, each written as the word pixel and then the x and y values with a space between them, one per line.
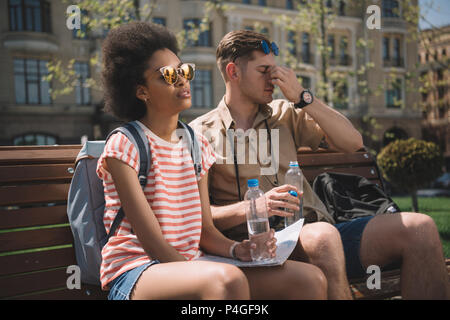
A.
pixel 152 254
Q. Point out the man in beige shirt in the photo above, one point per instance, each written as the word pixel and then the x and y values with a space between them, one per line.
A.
pixel 267 136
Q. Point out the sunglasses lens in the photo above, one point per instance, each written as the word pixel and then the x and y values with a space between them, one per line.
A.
pixel 275 49
pixel 187 71
pixel 170 75
pixel 265 47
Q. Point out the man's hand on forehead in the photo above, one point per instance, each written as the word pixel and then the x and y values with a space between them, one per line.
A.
pixel 286 80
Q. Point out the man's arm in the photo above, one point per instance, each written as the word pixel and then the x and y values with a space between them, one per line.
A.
pixel 277 200
pixel 340 134
pixel 226 217
pixel 338 130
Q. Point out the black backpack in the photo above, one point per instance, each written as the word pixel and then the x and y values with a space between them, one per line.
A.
pixel 348 196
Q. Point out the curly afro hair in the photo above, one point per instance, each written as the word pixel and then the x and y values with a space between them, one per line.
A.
pixel 126 53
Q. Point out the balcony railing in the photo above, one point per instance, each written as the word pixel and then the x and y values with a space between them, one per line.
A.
pixel 343 60
pixel 398 63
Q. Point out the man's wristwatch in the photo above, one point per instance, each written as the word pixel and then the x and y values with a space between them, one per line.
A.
pixel 306 98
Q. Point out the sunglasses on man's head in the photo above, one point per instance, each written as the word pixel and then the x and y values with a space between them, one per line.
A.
pixel 170 74
pixel 266 49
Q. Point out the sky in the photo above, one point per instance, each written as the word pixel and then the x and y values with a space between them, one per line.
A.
pixel 435 11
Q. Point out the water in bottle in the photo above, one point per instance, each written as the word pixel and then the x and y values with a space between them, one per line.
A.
pixel 257 220
pixel 294 177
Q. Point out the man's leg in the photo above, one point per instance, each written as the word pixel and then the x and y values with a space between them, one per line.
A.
pixel 320 244
pixel 413 239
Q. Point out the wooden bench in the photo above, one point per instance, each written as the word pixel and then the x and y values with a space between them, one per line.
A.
pixel 36 244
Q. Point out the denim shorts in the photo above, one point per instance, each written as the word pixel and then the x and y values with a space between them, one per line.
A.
pixel 122 286
pixel 351 234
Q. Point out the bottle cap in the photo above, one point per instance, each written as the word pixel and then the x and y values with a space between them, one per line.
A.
pixel 252 183
pixel 293 193
pixel 293 164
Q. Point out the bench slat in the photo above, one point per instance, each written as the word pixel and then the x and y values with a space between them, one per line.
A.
pixel 86 292
pixel 366 172
pixel 30 173
pixel 35 261
pixel 38 154
pixel 33 217
pixel 12 286
pixel 38 238
pixel 28 194
pixel 330 159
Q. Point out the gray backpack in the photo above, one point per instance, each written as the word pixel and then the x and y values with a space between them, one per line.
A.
pixel 86 201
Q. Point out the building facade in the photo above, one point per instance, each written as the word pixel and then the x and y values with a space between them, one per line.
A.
pixel 434 57
pixel 35 32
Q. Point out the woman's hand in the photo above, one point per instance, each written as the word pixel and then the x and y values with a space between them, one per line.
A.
pixel 242 250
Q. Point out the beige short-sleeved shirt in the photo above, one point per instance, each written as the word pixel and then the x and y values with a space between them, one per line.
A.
pixel 290 129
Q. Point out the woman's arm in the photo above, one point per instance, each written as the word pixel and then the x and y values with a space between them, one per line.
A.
pixel 139 213
pixel 213 241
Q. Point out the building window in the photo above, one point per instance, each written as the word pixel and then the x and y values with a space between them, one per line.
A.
pixel 290 4
pixel 340 94
pixel 29 86
pixel 386 55
pixel 262 3
pixel 82 33
pixel 29 15
pixel 390 9
pixel 341 8
pixel 82 90
pixel 331 46
pixel 33 139
pixel 246 1
pixel 204 38
pixel 343 56
pixel 201 89
pixel 159 20
pixel 292 43
pixel 393 134
pixel 393 95
pixel 305 82
pixel 397 56
pixel 306 57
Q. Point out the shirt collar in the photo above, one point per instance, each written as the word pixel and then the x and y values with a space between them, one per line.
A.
pixel 264 112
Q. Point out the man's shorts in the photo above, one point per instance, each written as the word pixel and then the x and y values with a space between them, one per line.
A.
pixel 351 234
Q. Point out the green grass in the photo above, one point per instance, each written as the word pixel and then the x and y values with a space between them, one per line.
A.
pixel 438 209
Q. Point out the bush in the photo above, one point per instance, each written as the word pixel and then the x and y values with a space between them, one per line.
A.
pixel 411 164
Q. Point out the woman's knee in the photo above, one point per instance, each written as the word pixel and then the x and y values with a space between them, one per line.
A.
pixel 317 283
pixel 307 282
pixel 223 281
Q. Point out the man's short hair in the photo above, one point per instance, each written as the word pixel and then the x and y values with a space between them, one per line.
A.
pixel 238 44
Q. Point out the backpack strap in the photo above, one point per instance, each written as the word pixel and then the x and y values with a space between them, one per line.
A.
pixel 194 146
pixel 137 136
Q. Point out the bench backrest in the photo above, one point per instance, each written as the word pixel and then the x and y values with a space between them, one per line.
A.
pixel 36 243
pixel 361 163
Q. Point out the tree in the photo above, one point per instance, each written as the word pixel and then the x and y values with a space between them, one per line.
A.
pixel 410 165
pixel 100 16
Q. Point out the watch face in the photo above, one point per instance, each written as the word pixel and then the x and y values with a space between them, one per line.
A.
pixel 307 97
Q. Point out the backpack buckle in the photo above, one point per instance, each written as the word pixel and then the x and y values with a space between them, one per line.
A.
pixel 142 180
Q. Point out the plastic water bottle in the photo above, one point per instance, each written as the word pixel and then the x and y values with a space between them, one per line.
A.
pixel 294 177
pixel 257 220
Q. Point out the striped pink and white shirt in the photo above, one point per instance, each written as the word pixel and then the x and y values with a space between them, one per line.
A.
pixel 171 191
